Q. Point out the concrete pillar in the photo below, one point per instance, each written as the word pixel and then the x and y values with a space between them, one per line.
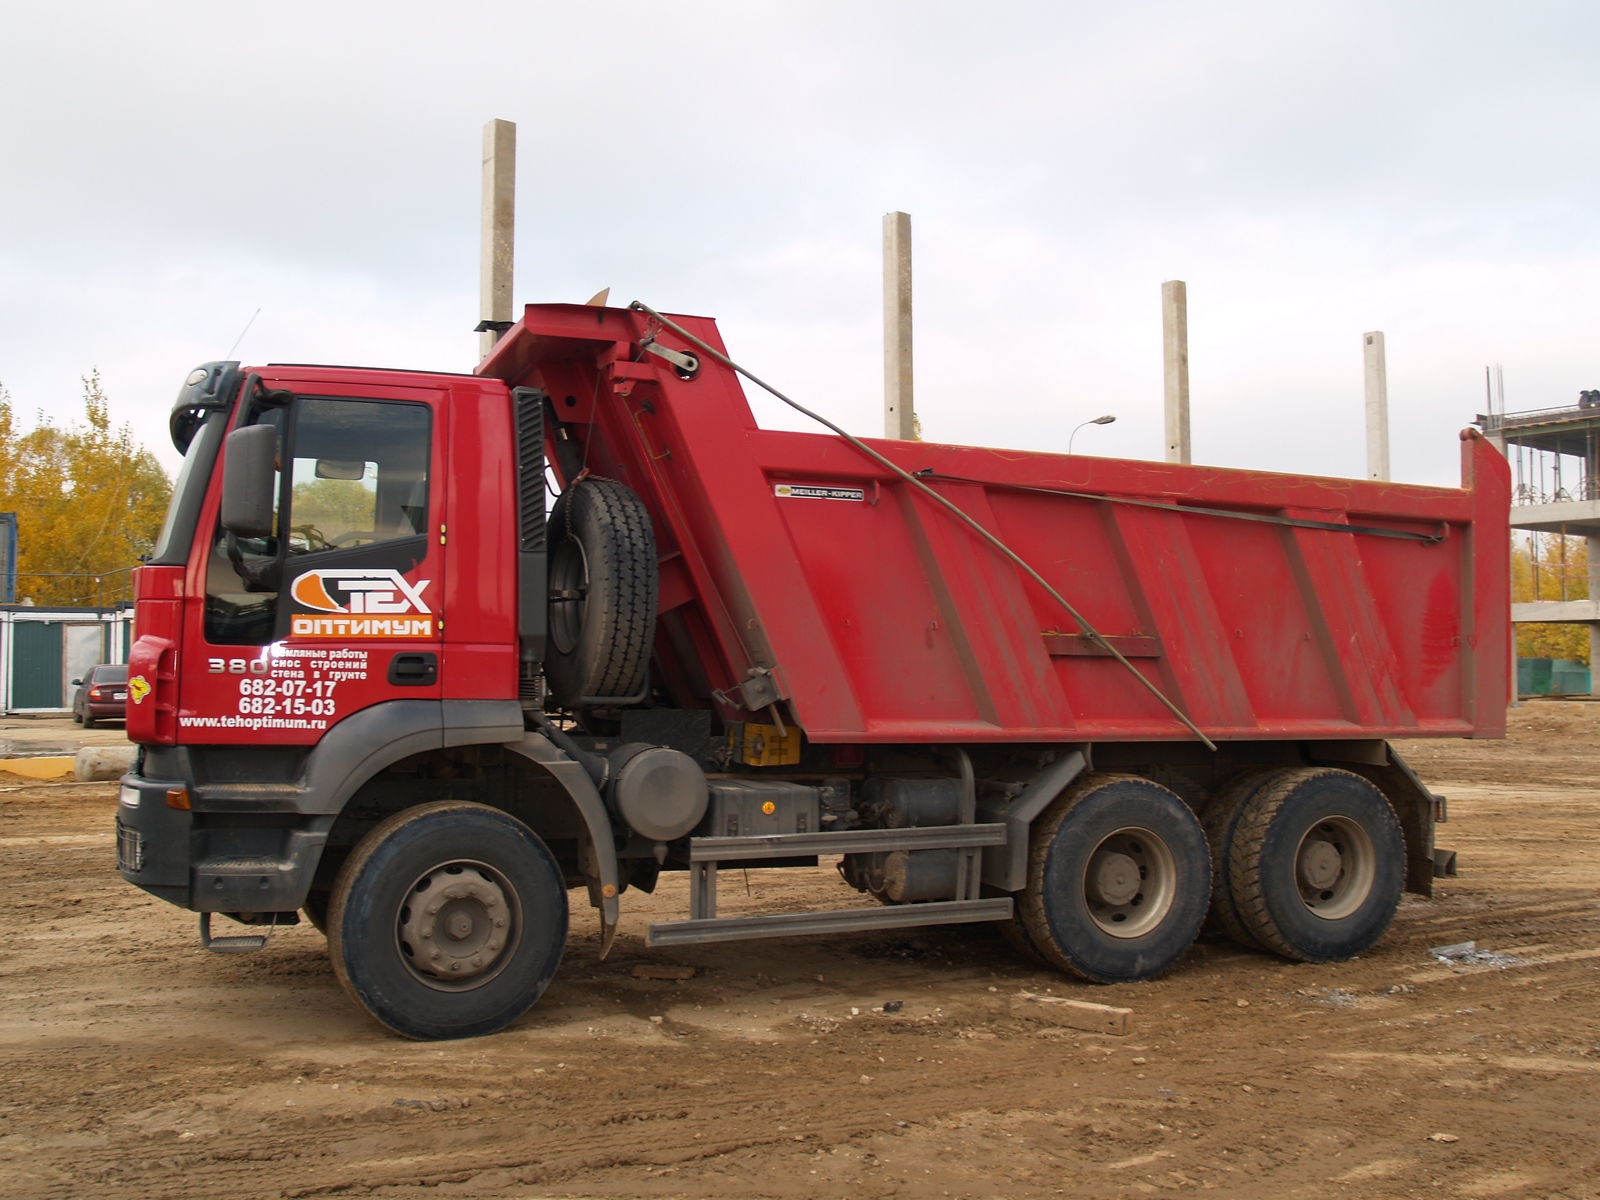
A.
pixel 1377 386
pixel 1175 367
pixel 497 223
pixel 1592 544
pixel 899 411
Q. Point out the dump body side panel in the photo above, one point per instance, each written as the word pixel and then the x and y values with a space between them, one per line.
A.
pixel 880 618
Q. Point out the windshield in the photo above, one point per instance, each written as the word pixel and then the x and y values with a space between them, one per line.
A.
pixel 177 532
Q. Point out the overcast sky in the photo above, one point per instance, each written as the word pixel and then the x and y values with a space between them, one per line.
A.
pixel 1311 171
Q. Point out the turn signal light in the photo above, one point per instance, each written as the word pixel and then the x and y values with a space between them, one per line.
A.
pixel 178 798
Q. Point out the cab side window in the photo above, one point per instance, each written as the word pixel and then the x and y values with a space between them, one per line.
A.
pixel 360 474
pixel 357 477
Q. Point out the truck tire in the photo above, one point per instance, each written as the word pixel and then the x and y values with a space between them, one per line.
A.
pixel 316 911
pixel 1317 865
pixel 1015 934
pixel 1220 819
pixel 475 954
pixel 1119 878
pixel 603 593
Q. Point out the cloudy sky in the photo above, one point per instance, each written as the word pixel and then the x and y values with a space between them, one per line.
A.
pixel 1311 171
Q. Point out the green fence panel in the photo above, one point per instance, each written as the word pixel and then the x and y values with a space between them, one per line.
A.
pixel 36 658
pixel 1568 678
pixel 1551 677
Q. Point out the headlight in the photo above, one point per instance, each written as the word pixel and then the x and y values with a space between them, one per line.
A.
pixel 128 796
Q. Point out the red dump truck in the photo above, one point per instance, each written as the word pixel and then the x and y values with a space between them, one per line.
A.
pixel 379 681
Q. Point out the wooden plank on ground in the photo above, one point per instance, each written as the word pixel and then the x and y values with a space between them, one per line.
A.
pixel 1074 1014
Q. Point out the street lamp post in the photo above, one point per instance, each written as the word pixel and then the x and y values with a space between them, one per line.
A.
pixel 1105 420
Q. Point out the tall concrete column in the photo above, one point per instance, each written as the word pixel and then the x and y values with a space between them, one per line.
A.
pixel 496 227
pixel 899 411
pixel 1375 361
pixel 1175 367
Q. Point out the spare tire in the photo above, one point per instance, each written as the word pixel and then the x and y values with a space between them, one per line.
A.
pixel 603 594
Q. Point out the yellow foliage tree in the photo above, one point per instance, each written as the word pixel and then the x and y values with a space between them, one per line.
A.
pixel 334 506
pixel 1560 572
pixel 89 501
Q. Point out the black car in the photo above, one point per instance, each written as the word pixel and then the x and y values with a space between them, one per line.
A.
pixel 102 695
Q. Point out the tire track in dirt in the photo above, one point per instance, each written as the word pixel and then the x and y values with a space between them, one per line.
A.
pixel 118 1036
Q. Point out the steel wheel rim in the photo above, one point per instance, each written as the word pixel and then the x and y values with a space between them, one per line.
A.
pixel 1335 867
pixel 1130 882
pixel 457 925
pixel 569 594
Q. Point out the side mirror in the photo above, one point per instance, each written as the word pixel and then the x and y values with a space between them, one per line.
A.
pixel 250 458
pixel 76 683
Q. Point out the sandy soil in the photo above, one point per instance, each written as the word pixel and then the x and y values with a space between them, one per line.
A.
pixel 134 1064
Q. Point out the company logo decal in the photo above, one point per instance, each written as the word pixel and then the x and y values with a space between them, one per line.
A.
pixel 138 688
pixel 817 491
pixel 375 602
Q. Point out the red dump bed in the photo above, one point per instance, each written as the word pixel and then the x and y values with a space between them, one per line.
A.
pixel 880 618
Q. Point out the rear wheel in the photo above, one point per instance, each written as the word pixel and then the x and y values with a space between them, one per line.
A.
pixel 1317 865
pixel 1118 880
pixel 1220 820
pixel 448 920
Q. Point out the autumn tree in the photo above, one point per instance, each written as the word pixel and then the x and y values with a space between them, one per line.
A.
pixel 89 501
pixel 1551 567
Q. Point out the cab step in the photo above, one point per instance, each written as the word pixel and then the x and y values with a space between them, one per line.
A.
pixel 239 944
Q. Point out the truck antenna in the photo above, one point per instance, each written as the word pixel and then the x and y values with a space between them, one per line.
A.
pixel 242 332
pixel 1089 631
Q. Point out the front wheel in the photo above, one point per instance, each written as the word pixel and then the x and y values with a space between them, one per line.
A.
pixel 448 920
pixel 316 911
pixel 1119 879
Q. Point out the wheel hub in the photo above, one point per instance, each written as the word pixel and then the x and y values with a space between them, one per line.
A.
pixel 569 594
pixel 1335 867
pixel 455 923
pixel 1113 878
pixel 1130 882
pixel 1320 864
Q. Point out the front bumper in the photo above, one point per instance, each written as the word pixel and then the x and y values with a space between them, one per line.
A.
pixel 215 862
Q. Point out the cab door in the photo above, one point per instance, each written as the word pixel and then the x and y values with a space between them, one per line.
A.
pixel 341 607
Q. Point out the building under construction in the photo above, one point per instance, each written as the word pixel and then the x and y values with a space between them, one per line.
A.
pixel 1555 466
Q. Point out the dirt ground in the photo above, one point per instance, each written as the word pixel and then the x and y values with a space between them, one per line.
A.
pixel 134 1064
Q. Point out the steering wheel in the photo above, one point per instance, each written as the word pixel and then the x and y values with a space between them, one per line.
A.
pixel 313 537
pixel 353 535
pixel 259 576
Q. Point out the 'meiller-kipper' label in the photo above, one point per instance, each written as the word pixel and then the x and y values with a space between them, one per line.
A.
pixel 817 491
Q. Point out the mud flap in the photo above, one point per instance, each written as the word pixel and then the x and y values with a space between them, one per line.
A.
pixel 598 852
